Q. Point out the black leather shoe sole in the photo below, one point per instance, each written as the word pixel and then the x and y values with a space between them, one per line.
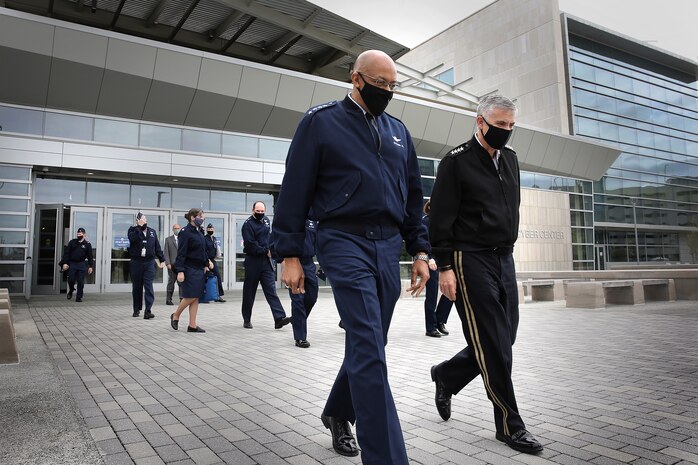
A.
pixel 198 329
pixel 353 452
pixel 524 447
pixel 433 333
pixel 281 322
pixel 303 344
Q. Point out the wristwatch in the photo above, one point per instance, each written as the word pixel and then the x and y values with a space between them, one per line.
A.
pixel 421 256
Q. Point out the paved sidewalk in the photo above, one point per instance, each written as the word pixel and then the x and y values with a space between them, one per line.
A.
pixel 610 386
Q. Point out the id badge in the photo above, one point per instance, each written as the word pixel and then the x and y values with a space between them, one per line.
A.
pixel 143 252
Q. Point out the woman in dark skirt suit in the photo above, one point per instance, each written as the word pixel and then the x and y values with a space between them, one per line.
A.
pixel 191 266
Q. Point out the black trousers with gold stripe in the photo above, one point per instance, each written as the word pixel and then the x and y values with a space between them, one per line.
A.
pixel 488 306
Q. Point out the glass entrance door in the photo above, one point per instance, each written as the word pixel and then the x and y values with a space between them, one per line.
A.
pixel 48 249
pixel 118 276
pixel 238 257
pixel 92 219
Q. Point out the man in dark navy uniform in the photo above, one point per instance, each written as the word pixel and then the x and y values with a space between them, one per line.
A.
pixel 76 260
pixel 212 254
pixel 144 248
pixel 355 168
pixel 474 224
pixel 302 304
pixel 259 267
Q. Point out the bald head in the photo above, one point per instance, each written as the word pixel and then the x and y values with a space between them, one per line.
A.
pixel 371 59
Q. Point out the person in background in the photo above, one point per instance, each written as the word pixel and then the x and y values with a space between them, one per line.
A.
pixel 435 316
pixel 355 167
pixel 191 265
pixel 171 245
pixel 474 225
pixel 302 304
pixel 259 267
pixel 77 259
pixel 213 253
pixel 144 249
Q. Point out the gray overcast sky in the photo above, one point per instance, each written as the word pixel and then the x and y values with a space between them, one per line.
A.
pixel 669 24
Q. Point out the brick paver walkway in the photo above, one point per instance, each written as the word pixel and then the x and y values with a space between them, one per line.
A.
pixel 614 386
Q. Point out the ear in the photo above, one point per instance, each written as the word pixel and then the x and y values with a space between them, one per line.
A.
pixel 355 78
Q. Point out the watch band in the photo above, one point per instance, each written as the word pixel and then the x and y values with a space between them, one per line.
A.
pixel 421 256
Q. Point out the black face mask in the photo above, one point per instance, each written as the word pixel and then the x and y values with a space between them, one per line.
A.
pixel 375 98
pixel 80 236
pixel 145 225
pixel 258 216
pixel 496 137
pixel 210 233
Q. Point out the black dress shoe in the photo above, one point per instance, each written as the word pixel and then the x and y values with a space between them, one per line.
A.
pixel 442 329
pixel 70 295
pixel 303 344
pixel 169 302
pixel 521 441
pixel 221 299
pixel 343 441
pixel 148 315
pixel 198 329
pixel 433 333
pixel 79 299
pixel 442 398
pixel 136 313
pixel 281 322
pixel 247 324
pixel 174 323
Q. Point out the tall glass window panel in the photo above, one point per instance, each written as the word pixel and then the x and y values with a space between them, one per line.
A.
pixel 60 191
pixel 13 188
pixel 13 237
pixel 116 132
pixel 14 205
pixel 240 146
pixel 21 120
pixel 68 126
pixel 426 167
pixel 13 221
pixel 11 271
pixel 272 149
pixel 14 172
pixel 12 253
pixel 160 137
pixel 185 199
pixel 107 193
pixel 228 202
pixel 151 196
pixel 201 141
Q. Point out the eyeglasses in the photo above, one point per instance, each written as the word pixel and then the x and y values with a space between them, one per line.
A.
pixel 380 82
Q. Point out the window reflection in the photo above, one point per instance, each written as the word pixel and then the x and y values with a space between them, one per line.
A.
pixel 68 126
pixel 116 132
pixel 160 137
pixel 107 193
pixel 271 149
pixel 240 146
pixel 190 198
pixel 151 196
pixel 21 120
pixel 201 141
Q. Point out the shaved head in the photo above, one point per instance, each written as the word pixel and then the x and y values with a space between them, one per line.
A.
pixel 372 58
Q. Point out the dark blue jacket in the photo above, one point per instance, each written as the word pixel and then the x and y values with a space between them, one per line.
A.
pixel 339 168
pixel 191 248
pixel 78 252
pixel 211 247
pixel 150 240
pixel 256 236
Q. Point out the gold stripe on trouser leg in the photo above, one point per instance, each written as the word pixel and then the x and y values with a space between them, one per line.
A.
pixel 475 336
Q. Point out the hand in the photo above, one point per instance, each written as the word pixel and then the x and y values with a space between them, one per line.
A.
pixel 210 265
pixel 65 267
pixel 432 264
pixel 180 277
pixel 89 270
pixel 142 221
pixel 420 276
pixel 447 284
pixel 162 264
pixel 169 267
pixel 292 275
pixel 269 253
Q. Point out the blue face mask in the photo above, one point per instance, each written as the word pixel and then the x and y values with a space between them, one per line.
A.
pixel 198 221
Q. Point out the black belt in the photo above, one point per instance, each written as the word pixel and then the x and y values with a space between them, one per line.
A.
pixel 502 250
pixel 357 227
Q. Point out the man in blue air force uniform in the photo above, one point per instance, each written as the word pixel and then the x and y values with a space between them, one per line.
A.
pixel 77 259
pixel 355 168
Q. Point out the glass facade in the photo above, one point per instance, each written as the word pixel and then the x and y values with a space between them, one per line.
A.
pixel 15 186
pixel 651 114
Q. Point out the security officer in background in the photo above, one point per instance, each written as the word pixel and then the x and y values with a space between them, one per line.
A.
pixel 259 267
pixel 212 253
pixel 144 248
pixel 355 168
pixel 474 224
pixel 76 260
pixel 302 304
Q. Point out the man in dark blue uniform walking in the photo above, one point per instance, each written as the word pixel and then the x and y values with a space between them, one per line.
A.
pixel 259 267
pixel 76 260
pixel 144 248
pixel 355 168
pixel 474 225
pixel 302 304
